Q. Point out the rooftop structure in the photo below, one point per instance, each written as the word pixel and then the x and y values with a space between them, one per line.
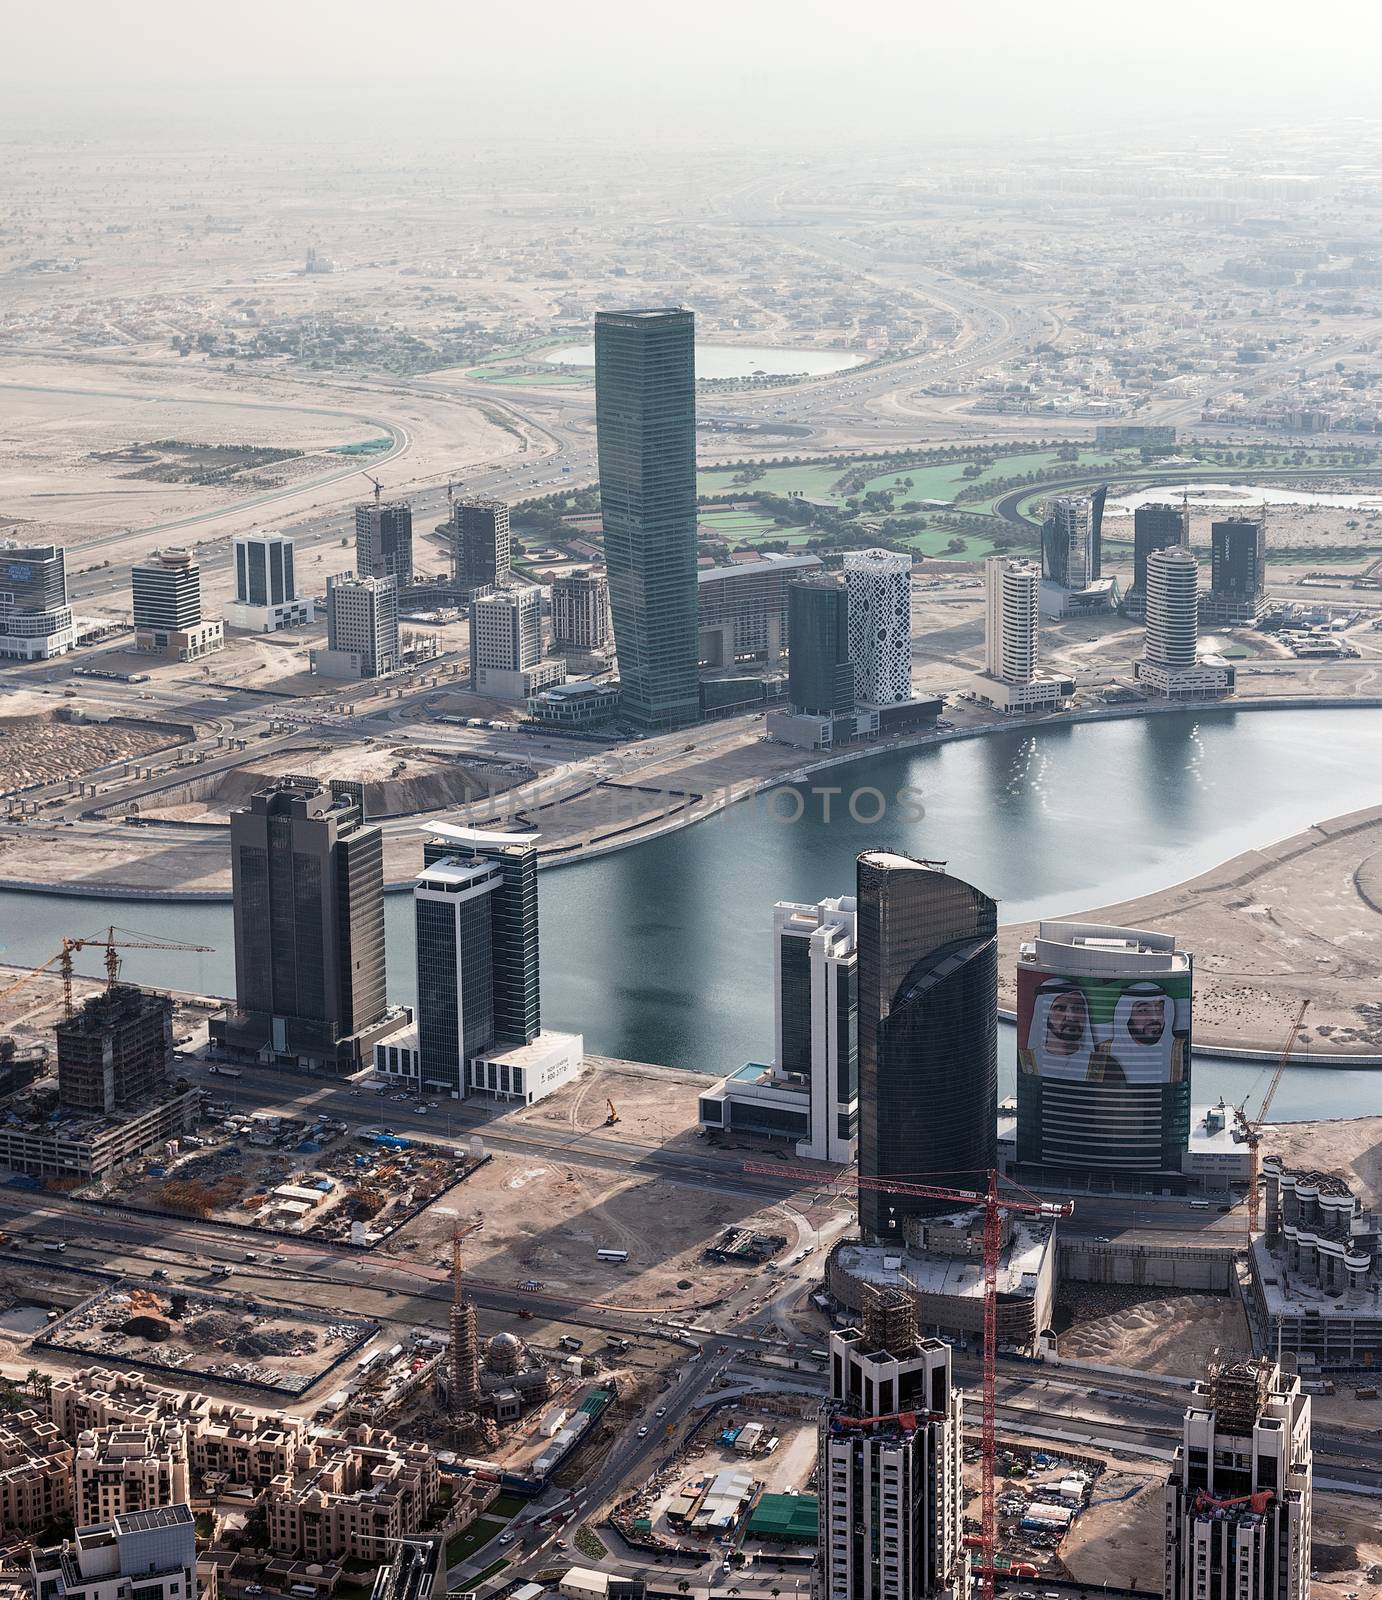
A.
pixel 153 1551
pixel 35 1474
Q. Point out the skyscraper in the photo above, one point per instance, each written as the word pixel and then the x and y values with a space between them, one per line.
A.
pixel 361 627
pixel 166 592
pixel 1103 1037
pixel 928 1040
pixel 645 409
pixel 879 585
pixel 1238 1499
pixel 1012 633
pixel 266 596
pixel 506 658
pixel 384 540
pixel 891 1498
pixel 580 611
pixel 1156 526
pixel 816 1019
pixel 479 1018
pixel 820 674
pixel 308 885
pixel 1171 663
pixel 1072 539
pixel 35 618
pixel 480 543
pixel 1238 570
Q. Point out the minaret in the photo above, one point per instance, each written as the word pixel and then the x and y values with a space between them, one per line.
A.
pixel 464 1399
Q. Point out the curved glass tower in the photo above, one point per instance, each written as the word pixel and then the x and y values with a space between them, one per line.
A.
pixel 928 1035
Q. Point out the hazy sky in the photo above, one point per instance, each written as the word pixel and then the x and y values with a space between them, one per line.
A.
pixel 777 71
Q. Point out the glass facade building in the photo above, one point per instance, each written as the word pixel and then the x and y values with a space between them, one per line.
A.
pixel 308 888
pixel 455 969
pixel 1156 526
pixel 384 541
pixel 645 410
pixel 820 675
pixel 928 1018
pixel 1237 570
pixel 480 542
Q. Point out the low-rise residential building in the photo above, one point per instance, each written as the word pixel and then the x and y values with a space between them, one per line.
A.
pixel 356 1502
pixel 129 1468
pixel 35 1474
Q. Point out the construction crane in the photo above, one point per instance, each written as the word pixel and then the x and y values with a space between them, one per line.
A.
pixel 63 958
pixel 613 1116
pixel 1204 1501
pixel 378 487
pixel 1252 1127
pixel 993 1205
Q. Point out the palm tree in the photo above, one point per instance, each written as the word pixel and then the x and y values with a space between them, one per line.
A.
pixel 33 1379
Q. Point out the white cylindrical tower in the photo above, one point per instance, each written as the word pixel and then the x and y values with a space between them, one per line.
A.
pixel 1173 609
pixel 1014 601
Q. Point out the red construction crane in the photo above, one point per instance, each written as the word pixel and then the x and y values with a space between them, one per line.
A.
pixel 1204 1501
pixel 993 1205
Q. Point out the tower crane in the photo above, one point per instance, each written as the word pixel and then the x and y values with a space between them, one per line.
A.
pixel 1252 1127
pixel 993 1205
pixel 378 487
pixel 63 958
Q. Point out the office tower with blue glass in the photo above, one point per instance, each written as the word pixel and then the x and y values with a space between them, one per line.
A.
pixel 645 413
pixel 928 1034
pixel 478 1028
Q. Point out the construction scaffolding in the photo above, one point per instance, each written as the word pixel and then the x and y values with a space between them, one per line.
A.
pixel 1238 1392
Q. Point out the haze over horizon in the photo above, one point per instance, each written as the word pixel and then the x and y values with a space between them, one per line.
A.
pixel 779 72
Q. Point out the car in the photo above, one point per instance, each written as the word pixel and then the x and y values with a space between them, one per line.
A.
pixel 662 1411
pixel 1102 1238
pixel 278 1261
pixel 643 1431
pixel 507 1538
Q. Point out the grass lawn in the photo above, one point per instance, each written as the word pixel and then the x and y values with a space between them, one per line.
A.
pixel 740 524
pixel 506 1506
pixel 470 1539
pixel 815 481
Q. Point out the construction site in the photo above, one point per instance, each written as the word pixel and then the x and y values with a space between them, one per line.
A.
pixel 202 1335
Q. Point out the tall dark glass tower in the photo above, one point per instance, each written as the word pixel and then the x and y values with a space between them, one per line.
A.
pixel 1156 526
pixel 645 413
pixel 820 675
pixel 308 886
pixel 1238 570
pixel 384 541
pixel 928 1039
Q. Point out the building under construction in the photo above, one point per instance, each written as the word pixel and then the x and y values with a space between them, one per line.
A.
pixel 1238 1499
pixel 464 1401
pixel 115 1052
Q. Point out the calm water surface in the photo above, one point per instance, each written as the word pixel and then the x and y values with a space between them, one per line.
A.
pixel 662 952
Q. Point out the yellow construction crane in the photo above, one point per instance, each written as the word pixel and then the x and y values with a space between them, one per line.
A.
pixel 1252 1129
pixel 613 1117
pixel 63 957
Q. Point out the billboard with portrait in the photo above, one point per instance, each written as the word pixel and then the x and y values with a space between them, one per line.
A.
pixel 1111 1030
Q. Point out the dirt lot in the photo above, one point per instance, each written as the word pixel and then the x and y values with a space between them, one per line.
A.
pixel 543 1219
pixel 208 1335
pixel 40 749
pixel 1174 1334
pixel 1352 1148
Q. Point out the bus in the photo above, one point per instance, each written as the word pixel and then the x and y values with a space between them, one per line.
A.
pixel 611 1255
pixel 1199 1205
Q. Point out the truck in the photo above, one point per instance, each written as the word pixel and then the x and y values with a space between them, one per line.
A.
pixel 55 1244
pixel 224 1072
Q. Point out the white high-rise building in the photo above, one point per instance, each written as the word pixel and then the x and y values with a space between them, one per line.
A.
pixel 815 1004
pixel 1011 638
pixel 506 659
pixel 266 596
pixel 151 1552
pixel 35 618
pixel 1238 1499
pixel 1171 665
pixel 879 584
pixel 361 627
pixel 891 1499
